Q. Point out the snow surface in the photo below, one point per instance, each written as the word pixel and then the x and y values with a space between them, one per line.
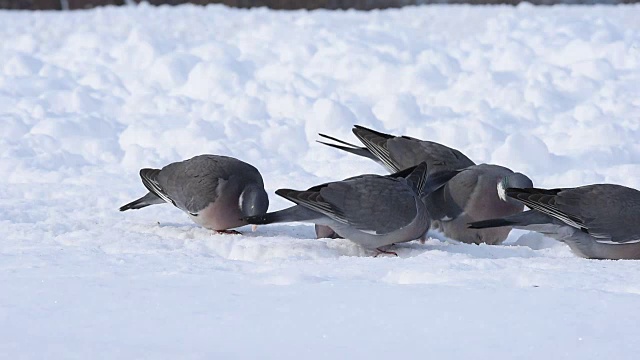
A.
pixel 88 98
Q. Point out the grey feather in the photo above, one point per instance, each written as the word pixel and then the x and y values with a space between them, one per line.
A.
pixel 150 181
pixel 149 199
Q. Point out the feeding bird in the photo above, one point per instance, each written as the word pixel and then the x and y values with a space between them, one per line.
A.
pixel 471 195
pixel 215 191
pixel 371 210
pixel 600 221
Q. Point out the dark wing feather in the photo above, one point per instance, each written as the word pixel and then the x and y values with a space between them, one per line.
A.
pixel 150 180
pixel 403 173
pixel 425 181
pixel 406 151
pixel 400 152
pixel 374 204
pixel 370 203
pixel 441 205
pixel 418 177
pixel 545 201
pixel 437 180
pixel 449 201
pixel 314 201
pixel 610 213
pixel 376 142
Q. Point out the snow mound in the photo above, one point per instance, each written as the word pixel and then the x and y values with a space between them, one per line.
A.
pixel 90 97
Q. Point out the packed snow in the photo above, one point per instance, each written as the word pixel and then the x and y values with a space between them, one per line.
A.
pixel 88 98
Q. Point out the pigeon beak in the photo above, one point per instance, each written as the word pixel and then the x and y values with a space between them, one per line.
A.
pixel 254 228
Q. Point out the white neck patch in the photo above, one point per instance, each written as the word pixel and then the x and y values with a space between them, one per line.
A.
pixel 502 193
pixel 240 201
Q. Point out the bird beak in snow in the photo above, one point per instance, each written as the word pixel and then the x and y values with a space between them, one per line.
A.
pixel 254 228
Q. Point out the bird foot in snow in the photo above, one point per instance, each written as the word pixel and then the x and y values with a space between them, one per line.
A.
pixel 227 232
pixel 380 252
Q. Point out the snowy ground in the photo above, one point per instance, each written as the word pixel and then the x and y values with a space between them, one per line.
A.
pixel 87 98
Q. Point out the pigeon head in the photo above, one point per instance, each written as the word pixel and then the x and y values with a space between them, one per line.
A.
pixel 515 180
pixel 253 200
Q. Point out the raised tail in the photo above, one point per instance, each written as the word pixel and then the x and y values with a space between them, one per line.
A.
pixel 149 199
pixel 360 151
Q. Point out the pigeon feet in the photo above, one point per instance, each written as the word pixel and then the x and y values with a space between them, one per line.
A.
pixel 227 232
pixel 380 252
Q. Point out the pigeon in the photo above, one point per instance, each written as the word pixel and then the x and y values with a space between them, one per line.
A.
pixel 373 211
pixel 216 191
pixel 397 153
pixel 477 193
pixel 600 221
pixel 471 195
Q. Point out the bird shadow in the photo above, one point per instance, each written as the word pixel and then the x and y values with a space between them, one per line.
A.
pixel 296 231
pixel 163 224
pixel 524 246
pixel 293 231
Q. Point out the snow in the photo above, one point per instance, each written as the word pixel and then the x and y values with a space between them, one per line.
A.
pixel 87 98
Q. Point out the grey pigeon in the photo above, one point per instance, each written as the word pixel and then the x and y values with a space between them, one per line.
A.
pixel 600 221
pixel 371 210
pixel 471 195
pixel 477 193
pixel 397 153
pixel 215 191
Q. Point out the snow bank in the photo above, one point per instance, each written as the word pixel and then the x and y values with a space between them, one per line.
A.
pixel 87 98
